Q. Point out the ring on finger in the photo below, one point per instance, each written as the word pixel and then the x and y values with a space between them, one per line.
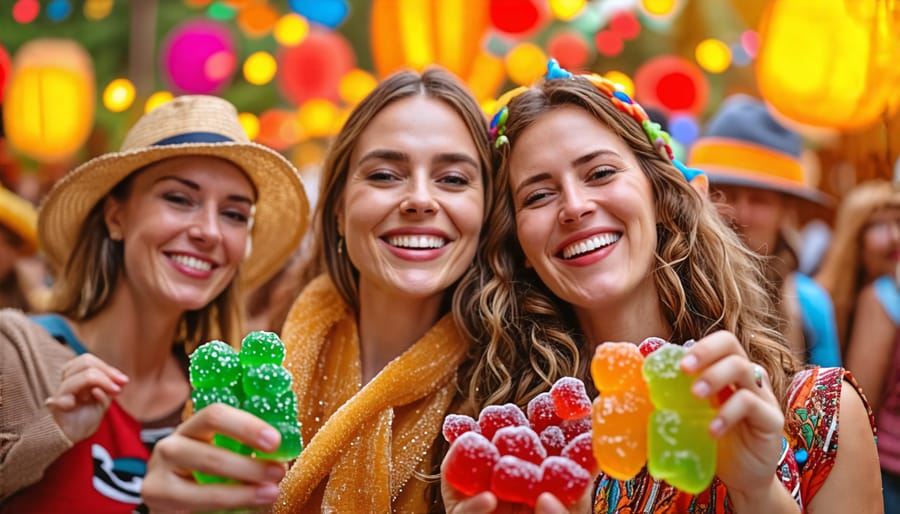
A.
pixel 758 375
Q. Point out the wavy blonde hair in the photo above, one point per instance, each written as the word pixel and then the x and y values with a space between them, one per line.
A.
pixel 707 279
pixel 842 273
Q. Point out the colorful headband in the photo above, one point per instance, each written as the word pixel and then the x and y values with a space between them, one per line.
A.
pixel 658 137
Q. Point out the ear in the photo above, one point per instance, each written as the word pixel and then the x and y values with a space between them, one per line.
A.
pixel 113 218
pixel 700 183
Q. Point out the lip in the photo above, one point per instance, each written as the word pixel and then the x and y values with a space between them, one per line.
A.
pixel 590 257
pixel 190 271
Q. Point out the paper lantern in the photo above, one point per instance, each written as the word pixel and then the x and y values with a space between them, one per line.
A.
pixel 518 17
pixel 48 109
pixel 416 33
pixel 314 68
pixel 830 63
pixel 198 57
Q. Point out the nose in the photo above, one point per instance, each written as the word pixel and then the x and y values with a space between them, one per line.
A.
pixel 575 205
pixel 419 199
pixel 205 228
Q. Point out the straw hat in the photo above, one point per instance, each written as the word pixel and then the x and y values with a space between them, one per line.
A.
pixel 745 146
pixel 187 125
pixel 18 215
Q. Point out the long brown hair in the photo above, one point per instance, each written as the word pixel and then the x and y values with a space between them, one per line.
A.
pixel 706 278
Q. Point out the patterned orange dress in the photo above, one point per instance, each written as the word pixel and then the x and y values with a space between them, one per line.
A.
pixel 807 456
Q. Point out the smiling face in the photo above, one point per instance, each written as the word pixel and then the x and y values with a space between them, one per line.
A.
pixel 584 211
pixel 184 228
pixel 881 243
pixel 413 205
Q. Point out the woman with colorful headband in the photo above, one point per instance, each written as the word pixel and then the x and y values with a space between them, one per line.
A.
pixel 596 236
pixel 371 342
pixel 151 247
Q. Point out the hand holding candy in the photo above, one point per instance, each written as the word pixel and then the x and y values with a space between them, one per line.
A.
pixel 253 380
pixel 518 458
pixel 681 450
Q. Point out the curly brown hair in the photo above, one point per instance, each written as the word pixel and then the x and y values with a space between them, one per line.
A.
pixel 707 280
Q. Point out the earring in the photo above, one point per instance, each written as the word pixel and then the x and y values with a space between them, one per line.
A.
pixel 340 245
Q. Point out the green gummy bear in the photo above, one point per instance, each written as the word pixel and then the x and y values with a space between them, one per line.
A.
pixel 260 347
pixel 214 364
pixel 205 396
pixel 282 407
pixel 266 379
pixel 291 442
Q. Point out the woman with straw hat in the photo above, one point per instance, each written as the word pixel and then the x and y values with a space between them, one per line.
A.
pixel 18 241
pixel 754 165
pixel 151 247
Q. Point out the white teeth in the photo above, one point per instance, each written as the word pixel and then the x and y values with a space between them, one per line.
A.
pixel 417 241
pixel 589 245
pixel 191 262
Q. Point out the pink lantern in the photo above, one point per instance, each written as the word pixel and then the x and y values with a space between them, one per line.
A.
pixel 314 68
pixel 198 57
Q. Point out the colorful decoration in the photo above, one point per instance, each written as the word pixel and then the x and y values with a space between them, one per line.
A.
pixel 198 57
pixel 156 99
pixel 97 9
pixel 526 63
pixel 330 13
pixel 314 68
pixel 566 10
pixel 569 48
pixel 517 17
pixel 118 95
pixel 291 29
pixel 713 55
pixel 25 11
pixel 812 76
pixel 355 85
pixel 257 20
pixel 5 66
pixel 671 83
pixel 48 108
pixel 260 68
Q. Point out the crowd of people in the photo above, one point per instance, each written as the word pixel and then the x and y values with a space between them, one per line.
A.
pixel 451 263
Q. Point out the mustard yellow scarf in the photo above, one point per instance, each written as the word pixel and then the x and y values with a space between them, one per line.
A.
pixel 364 444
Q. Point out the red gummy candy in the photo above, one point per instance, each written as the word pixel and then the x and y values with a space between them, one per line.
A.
pixel 516 480
pixel 581 451
pixel 650 345
pixel 573 428
pixel 495 417
pixel 553 439
pixel 564 478
pixel 456 425
pixel 570 398
pixel 520 442
pixel 542 413
pixel 470 463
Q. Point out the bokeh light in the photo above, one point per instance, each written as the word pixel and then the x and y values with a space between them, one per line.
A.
pixel 713 55
pixel 608 43
pixel 526 63
pixel 291 29
pixel 330 13
pixel 570 48
pixel 198 57
pixel 750 42
pixel 317 118
pixel 257 20
pixel 355 85
pixel 250 123
pixel 518 17
pixel 5 69
pixel 260 68
pixel 221 11
pixel 684 128
pixel 25 11
pixel 278 129
pixel 566 10
pixel 156 99
pixel 658 7
pixel 671 83
pixel 58 10
pixel 118 95
pixel 625 24
pixel 97 9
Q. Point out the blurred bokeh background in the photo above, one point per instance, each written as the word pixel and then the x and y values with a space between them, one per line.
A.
pixel 74 74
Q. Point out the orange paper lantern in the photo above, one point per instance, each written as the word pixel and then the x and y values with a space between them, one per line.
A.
pixel 830 63
pixel 48 110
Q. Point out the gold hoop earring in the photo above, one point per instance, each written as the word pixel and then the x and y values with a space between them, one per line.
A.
pixel 340 246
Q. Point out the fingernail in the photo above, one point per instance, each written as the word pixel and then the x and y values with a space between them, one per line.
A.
pixel 269 439
pixel 700 389
pixel 689 363
pixel 275 472
pixel 716 427
pixel 266 493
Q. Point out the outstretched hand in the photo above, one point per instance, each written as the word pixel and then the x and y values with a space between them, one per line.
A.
pixel 87 387
pixel 169 485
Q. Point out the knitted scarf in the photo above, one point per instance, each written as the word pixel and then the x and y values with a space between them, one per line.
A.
pixel 364 444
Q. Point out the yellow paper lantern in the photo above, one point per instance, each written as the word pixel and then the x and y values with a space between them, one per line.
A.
pixel 48 108
pixel 417 33
pixel 830 63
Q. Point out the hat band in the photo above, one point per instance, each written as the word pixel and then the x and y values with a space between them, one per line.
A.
pixel 746 157
pixel 193 137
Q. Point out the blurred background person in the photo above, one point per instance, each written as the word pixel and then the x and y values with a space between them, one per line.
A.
pixel 21 273
pixel 757 179
pixel 865 245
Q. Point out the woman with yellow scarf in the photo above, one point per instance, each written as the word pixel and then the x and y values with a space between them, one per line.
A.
pixel 372 343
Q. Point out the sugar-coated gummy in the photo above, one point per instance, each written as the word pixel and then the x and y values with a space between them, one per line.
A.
pixel 495 417
pixel 521 442
pixel 205 396
pixel 542 413
pixel 214 364
pixel 266 379
pixel 564 478
pixel 261 348
pixel 516 480
pixel 570 398
pixel 457 424
pixel 470 463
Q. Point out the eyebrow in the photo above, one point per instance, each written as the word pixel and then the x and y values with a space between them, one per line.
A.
pixel 442 158
pixel 580 161
pixel 195 186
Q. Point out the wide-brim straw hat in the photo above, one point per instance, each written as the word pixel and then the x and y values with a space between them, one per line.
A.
pixel 745 146
pixel 19 216
pixel 187 125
